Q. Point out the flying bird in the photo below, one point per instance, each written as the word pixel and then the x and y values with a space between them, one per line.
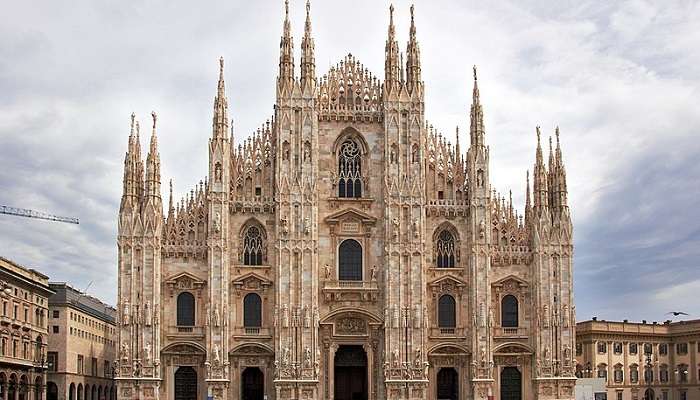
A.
pixel 676 313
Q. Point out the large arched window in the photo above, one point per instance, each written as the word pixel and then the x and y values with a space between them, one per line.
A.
pixel 446 312
pixel 252 311
pixel 185 309
pixel 253 246
pixel 350 261
pixel 509 312
pixel 445 250
pixel 349 169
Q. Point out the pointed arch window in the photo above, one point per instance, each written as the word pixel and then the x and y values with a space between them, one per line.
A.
pixel 445 250
pixel 350 170
pixel 253 246
pixel 252 311
pixel 350 261
pixel 185 309
pixel 447 317
pixel 509 311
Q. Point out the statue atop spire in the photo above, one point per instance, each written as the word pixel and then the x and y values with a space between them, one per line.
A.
pixel 286 64
pixel 392 66
pixel 477 130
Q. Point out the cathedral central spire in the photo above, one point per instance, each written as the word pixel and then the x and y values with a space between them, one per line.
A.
pixel 413 64
pixel 477 130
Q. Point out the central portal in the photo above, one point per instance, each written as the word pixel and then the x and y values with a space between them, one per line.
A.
pixel 186 384
pixel 350 373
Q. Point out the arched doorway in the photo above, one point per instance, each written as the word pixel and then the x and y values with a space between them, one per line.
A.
pixel 447 384
pixel 511 384
pixel 649 394
pixel 71 392
pixel 186 384
pixel 253 384
pixel 52 391
pixel 350 373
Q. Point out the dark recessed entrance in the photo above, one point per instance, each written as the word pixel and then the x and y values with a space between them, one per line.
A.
pixel 350 373
pixel 185 384
pixel 447 384
pixel 511 384
pixel 253 384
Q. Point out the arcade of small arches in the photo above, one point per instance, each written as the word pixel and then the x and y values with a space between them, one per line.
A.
pixel 81 392
pixel 16 385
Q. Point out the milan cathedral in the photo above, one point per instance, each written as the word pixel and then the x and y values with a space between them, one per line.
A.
pixel 344 251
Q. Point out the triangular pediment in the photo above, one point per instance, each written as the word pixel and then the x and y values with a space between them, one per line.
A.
pixel 185 281
pixel 252 281
pixel 511 280
pixel 447 283
pixel 350 215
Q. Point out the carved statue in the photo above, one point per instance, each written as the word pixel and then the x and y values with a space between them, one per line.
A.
pixel 416 228
pixel 373 274
pixel 395 358
pixel 307 226
pixel 328 271
pixel 147 352
pixel 386 370
pixel 545 316
pixel 307 317
pixel 126 315
pixel 426 369
pixel 566 316
pixel 285 225
pixel 125 351
pixel 217 316
pixel 482 315
pixel 547 354
pixel 317 319
pixel 285 356
pixel 156 317
pixel 136 368
pixel 482 353
pixel 275 315
pixel 217 172
pixel 147 313
pixel 277 369
pixel 207 322
pixel 491 320
pixel 395 222
pixel 217 222
pixel 418 357
pixel 217 353
pixel 285 316
pixel 307 357
pixel 395 322
pixel 482 229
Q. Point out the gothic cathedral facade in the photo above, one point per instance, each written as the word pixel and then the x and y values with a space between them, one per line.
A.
pixel 345 251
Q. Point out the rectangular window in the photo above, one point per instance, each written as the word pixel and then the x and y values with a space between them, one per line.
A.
pixel 633 348
pixel 4 308
pixel 105 369
pixel 14 315
pixel 52 360
pixel 55 313
pixel 80 364
pixel 647 348
pixel 664 395
pixel 55 329
pixel 26 315
pixel 602 348
pixel 94 367
pixel 619 395
pixel 258 191
pixel 579 349
pixel 684 395
pixel 618 376
pixel 618 348
pixel 682 348
pixel 663 349
pixel 441 195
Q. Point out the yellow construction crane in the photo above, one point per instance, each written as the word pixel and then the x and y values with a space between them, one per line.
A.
pixel 23 212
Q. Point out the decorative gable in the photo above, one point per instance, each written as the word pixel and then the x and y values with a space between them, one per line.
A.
pixel 251 282
pixel 447 284
pixel 350 221
pixel 185 281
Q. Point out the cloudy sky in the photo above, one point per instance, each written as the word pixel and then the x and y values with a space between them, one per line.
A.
pixel 620 78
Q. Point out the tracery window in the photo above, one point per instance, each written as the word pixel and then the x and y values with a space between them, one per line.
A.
pixel 253 246
pixel 447 312
pixel 185 309
pixel 350 170
pixel 445 250
pixel 509 312
pixel 252 311
pixel 350 261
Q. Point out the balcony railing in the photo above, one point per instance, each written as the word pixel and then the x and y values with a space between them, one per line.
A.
pixel 511 332
pixel 447 332
pixel 185 331
pixel 337 284
pixel 253 332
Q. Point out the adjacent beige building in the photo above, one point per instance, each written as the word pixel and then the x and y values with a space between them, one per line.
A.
pixel 24 295
pixel 648 361
pixel 82 342
pixel 346 250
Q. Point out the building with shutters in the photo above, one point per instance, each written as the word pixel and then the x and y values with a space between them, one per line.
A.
pixel 640 360
pixel 346 250
pixel 81 346
pixel 24 295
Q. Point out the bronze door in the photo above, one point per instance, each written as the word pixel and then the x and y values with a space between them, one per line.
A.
pixel 350 373
pixel 253 382
pixel 186 384
pixel 511 384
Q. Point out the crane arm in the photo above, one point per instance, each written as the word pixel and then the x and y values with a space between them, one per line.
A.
pixel 23 212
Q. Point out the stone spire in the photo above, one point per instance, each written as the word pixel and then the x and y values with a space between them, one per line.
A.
pixel 220 119
pixel 171 208
pixel 540 178
pixel 559 178
pixel 477 131
pixel 286 72
pixel 132 159
pixel 413 66
pixel 308 60
pixel 153 164
pixel 528 205
pixel 392 68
